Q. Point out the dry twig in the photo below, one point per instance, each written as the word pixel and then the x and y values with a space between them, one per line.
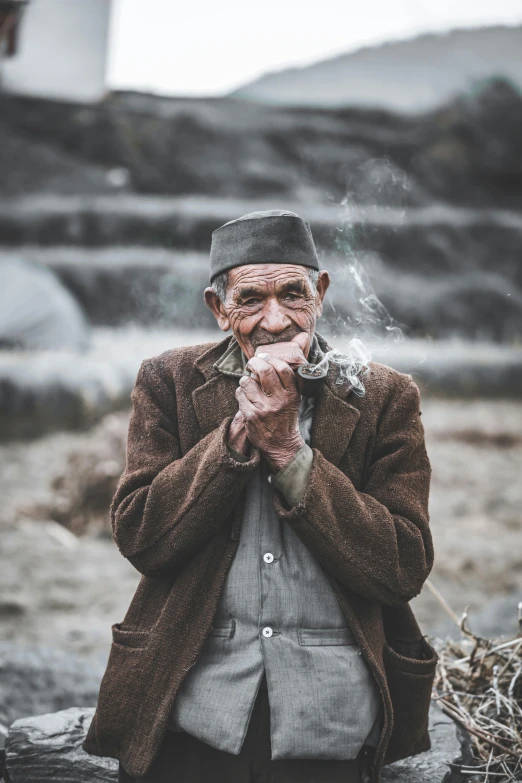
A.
pixel 478 683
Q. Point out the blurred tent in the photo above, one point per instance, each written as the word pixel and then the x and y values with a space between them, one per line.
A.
pixel 10 15
pixel 58 50
pixel 36 311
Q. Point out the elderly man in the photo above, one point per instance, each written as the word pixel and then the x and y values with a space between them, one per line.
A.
pixel 279 537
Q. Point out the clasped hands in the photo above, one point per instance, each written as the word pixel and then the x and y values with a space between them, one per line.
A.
pixel 268 415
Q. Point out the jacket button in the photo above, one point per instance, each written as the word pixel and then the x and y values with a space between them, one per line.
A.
pixel 268 557
pixel 267 632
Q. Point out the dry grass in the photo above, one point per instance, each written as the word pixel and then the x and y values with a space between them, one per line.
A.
pixel 478 683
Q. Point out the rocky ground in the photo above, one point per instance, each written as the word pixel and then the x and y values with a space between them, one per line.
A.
pixel 475 447
pixel 62 590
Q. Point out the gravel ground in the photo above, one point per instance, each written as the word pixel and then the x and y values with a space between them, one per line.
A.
pixel 475 448
pixel 63 591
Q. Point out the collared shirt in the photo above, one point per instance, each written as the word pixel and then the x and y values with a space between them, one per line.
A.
pixel 278 614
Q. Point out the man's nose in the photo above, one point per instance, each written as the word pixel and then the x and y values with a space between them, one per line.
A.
pixel 275 319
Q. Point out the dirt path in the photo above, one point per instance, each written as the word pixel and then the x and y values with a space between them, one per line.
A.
pixel 62 591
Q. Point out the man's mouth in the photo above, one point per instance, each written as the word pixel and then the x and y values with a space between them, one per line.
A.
pixel 265 338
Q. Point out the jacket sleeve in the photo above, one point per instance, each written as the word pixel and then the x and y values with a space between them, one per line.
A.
pixel 167 505
pixel 377 542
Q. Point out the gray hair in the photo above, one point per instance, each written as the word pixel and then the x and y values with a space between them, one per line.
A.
pixel 220 282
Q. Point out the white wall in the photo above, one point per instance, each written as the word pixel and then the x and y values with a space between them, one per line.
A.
pixel 62 50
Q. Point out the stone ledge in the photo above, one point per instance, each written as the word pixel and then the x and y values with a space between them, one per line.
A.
pixel 432 766
pixel 47 749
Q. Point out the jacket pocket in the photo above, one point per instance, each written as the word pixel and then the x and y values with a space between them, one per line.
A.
pixel 225 629
pixel 129 637
pixel 118 698
pixel 316 637
pixel 410 674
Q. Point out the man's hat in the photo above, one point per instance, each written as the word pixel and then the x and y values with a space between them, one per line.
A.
pixel 275 236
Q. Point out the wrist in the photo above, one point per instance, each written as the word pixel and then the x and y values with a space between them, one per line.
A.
pixel 237 438
pixel 241 445
pixel 279 459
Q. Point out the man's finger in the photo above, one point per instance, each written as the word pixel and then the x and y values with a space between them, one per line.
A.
pixel 289 352
pixel 251 389
pixel 265 374
pixel 246 406
pixel 284 372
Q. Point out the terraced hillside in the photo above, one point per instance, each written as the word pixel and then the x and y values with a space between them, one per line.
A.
pixel 438 270
pixel 419 220
pixel 466 152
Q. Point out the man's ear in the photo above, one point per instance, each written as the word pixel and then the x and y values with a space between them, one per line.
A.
pixel 214 303
pixel 323 283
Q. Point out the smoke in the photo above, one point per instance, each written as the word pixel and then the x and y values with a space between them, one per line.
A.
pixel 358 318
pixel 350 365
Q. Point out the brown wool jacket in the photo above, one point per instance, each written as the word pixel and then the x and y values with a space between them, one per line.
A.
pixel 176 516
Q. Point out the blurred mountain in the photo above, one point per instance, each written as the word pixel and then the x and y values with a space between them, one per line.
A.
pixel 412 75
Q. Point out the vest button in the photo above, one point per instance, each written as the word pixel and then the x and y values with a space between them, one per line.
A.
pixel 267 632
pixel 268 557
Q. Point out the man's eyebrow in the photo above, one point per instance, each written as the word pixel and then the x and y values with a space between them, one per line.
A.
pixel 298 286
pixel 247 291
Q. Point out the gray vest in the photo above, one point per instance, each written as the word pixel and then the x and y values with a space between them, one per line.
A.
pixel 278 614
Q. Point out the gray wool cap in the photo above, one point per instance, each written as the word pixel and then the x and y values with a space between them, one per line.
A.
pixel 275 236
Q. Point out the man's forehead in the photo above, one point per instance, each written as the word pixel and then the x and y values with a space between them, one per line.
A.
pixel 266 274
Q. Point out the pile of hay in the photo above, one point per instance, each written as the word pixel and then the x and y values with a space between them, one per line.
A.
pixel 478 683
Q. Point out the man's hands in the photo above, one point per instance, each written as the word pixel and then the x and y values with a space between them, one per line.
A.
pixel 269 402
pixel 293 353
pixel 268 415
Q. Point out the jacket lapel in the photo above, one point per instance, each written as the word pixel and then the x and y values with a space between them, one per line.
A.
pixel 333 424
pixel 216 398
pixel 335 418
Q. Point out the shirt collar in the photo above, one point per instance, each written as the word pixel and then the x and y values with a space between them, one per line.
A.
pixel 233 361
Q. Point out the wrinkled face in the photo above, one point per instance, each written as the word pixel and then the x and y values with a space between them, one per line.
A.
pixel 269 303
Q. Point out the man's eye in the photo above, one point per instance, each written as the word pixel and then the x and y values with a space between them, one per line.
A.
pixel 292 297
pixel 251 301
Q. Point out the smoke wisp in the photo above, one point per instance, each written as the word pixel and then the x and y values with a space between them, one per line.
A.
pixel 363 319
pixel 350 365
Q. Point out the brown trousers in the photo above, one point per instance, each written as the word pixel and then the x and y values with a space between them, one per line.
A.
pixel 184 759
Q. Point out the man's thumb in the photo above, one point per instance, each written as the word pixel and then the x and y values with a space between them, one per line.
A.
pixel 303 341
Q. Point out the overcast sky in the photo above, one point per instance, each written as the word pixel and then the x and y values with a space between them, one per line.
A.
pixel 208 47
